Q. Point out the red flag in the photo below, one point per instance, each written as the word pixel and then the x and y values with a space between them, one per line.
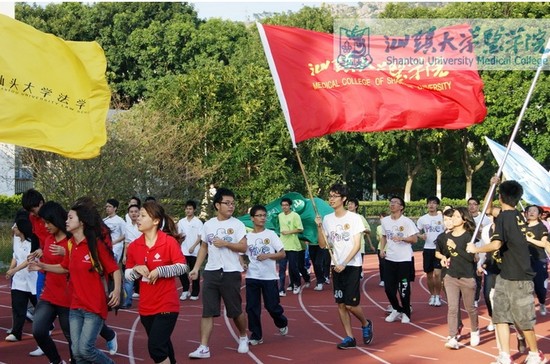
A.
pixel 319 97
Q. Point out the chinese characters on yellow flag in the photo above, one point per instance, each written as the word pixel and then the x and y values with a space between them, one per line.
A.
pixel 53 93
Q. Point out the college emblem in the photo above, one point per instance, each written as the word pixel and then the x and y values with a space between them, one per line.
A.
pixel 354 48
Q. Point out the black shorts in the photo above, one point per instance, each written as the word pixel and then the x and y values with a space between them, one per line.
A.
pixel 218 285
pixel 346 286
pixel 430 262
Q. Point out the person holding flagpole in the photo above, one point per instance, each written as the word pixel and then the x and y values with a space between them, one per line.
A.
pixel 341 232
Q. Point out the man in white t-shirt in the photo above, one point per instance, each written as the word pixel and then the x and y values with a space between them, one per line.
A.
pixel 431 224
pixel 341 232
pixel 117 226
pixel 399 233
pixel 190 228
pixel 264 248
pixel 223 237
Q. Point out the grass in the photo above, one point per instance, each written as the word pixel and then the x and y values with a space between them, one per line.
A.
pixel 6 245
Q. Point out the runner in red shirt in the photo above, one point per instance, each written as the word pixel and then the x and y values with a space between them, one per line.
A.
pixel 87 261
pixel 155 259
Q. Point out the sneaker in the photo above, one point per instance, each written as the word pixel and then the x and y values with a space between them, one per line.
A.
pixel 522 346
pixel 318 287
pixel 296 290
pixel 381 284
pixel 394 315
pixel 37 352
pixel 327 280
pixel 368 332
pixel 255 342
pixel 491 327
pixel 289 288
pixel 112 345
pixel 202 352
pixel 452 343
pixel 476 303
pixel 389 309
pixel 503 358
pixel 283 330
pixel 347 343
pixel 194 298
pixel 474 338
pixel 282 294
pixel 243 345
pixel 542 310
pixel 307 284
pixel 135 295
pixel 535 358
pixel 11 338
pixel 431 301
pixel 437 301
pixel 405 319
pixel 184 296
pixel 459 331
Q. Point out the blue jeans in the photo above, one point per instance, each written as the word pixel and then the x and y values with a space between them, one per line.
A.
pixel 85 327
pixel 44 315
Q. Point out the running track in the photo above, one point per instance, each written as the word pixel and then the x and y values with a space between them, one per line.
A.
pixel 314 331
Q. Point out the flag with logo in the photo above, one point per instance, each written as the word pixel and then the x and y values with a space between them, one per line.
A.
pixel 53 93
pixel 520 166
pixel 362 90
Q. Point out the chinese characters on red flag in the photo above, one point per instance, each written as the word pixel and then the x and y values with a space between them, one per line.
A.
pixel 321 95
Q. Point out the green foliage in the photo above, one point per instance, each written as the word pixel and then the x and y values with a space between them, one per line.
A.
pixel 9 206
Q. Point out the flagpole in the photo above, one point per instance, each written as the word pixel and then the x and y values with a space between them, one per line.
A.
pixel 310 193
pixel 512 138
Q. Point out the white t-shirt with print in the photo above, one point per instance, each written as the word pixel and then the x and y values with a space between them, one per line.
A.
pixel 340 232
pixel 432 227
pixel 265 242
pixel 398 251
pixel 231 230
pixel 191 230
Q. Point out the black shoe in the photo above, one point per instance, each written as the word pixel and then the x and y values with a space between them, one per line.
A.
pixel 125 307
pixel 347 343
pixel 522 347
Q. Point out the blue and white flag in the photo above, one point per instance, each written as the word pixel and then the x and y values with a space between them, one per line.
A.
pixel 520 166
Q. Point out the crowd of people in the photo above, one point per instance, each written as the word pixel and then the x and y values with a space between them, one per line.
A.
pixel 76 266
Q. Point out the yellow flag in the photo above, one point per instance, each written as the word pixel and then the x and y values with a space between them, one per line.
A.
pixel 53 93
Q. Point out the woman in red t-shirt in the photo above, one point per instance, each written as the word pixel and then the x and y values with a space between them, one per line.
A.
pixel 155 259
pixel 87 261
pixel 56 299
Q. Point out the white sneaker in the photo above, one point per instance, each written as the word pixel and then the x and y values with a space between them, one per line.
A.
pixel 289 288
pixel 307 284
pixel 502 358
pixel 405 319
pixel 296 290
pixel 452 344
pixel 37 352
pixel 283 330
pixel 542 310
pixel 389 309
pixel 243 345
pixel 491 327
pixel 112 345
pixel 431 301
pixel 381 284
pixel 318 287
pixel 255 342
pixel 437 301
pixel 476 304
pixel 474 338
pixel 282 294
pixel 202 352
pixel 535 358
pixel 11 338
pixel 184 296
pixel 394 315
pixel 135 295
pixel 194 298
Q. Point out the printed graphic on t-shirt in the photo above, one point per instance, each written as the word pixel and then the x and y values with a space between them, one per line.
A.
pixel 340 234
pixel 222 234
pixel 259 247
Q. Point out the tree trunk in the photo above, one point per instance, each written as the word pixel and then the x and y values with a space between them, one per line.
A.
pixel 374 188
pixel 438 175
